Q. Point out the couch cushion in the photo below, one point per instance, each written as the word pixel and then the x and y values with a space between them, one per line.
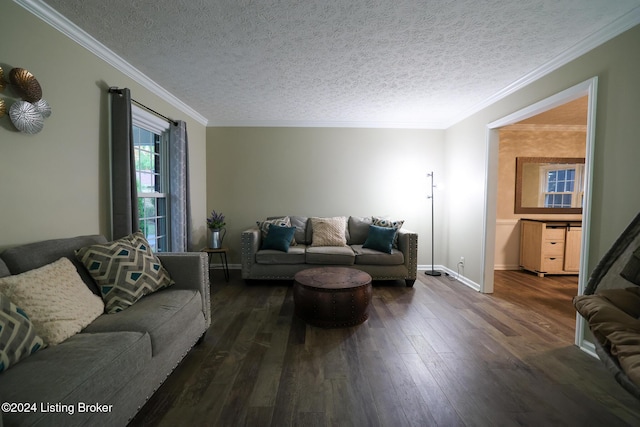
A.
pixel 125 270
pixel 331 255
pixel 296 255
pixel 18 338
pixel 366 256
pixel 612 316
pixel 33 255
pixel 300 223
pixel 84 368
pixel 358 230
pixel 57 301
pixel 4 270
pixel 329 231
pixel 161 314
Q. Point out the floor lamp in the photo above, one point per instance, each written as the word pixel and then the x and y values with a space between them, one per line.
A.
pixel 432 272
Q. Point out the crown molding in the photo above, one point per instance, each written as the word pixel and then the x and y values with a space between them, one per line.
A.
pixel 75 33
pixel 327 124
pixel 617 27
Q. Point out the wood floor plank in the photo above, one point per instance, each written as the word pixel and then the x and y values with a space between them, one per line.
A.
pixel 437 354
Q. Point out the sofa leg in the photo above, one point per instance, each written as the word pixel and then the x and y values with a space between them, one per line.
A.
pixel 410 282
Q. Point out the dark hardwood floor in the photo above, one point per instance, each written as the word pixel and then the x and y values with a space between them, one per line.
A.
pixel 550 296
pixel 437 354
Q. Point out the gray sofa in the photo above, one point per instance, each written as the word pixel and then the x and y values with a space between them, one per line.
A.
pixel 268 264
pixel 120 359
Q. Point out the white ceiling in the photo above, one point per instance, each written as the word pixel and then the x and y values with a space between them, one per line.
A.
pixel 363 63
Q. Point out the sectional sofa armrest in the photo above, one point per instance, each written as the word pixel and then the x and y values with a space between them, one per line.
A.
pixel 408 245
pixel 190 271
pixel 249 245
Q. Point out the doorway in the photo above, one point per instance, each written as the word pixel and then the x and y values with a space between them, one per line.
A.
pixel 587 89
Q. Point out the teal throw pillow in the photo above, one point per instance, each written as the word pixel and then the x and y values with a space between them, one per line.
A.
pixel 278 238
pixel 380 238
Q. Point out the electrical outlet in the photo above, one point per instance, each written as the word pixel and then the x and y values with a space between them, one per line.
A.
pixel 461 262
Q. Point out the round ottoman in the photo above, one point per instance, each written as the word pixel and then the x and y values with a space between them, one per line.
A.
pixel 332 297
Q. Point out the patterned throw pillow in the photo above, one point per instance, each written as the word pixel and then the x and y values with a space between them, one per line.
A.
pixel 329 231
pixel 285 221
pixel 125 270
pixel 58 302
pixel 18 338
pixel 390 223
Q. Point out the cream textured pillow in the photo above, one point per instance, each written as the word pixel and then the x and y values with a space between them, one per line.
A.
pixel 55 298
pixel 329 231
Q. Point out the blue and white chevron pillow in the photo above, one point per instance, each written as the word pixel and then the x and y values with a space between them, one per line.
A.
pixel 125 270
pixel 18 338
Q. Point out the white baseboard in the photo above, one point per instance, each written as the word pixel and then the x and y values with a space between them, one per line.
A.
pixel 460 278
pixel 506 267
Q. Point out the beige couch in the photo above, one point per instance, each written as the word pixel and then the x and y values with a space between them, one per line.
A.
pixel 270 264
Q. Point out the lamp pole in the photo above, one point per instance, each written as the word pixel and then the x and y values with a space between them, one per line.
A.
pixel 432 272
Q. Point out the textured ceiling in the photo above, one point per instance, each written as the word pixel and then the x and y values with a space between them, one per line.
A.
pixel 339 62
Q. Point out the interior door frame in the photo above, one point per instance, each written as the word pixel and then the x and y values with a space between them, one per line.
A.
pixel 589 88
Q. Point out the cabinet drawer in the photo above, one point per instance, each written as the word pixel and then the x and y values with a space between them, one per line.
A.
pixel 550 248
pixel 554 234
pixel 552 264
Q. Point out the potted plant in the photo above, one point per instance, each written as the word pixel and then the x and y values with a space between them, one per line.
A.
pixel 215 223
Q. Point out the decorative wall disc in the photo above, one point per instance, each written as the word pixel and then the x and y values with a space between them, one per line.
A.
pixel 43 108
pixel 25 117
pixel 3 108
pixel 3 84
pixel 26 84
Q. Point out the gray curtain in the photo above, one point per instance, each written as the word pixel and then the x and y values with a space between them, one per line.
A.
pixel 124 213
pixel 179 187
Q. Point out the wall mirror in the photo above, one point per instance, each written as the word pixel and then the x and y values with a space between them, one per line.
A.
pixel 549 185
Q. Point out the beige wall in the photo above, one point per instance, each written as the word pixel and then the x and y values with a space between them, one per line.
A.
pixel 258 172
pixel 514 143
pixel 525 143
pixel 617 150
pixel 55 183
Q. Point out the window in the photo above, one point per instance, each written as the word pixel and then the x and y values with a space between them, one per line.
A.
pixel 150 138
pixel 563 186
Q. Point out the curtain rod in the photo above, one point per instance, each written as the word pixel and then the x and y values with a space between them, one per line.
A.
pixel 114 89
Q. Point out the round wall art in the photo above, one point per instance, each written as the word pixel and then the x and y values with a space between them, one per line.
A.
pixel 28 114
pixel 26 84
pixel 25 117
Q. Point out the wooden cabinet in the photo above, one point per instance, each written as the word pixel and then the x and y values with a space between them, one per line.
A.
pixel 550 247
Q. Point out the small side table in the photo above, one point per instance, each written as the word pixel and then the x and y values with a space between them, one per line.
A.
pixel 223 258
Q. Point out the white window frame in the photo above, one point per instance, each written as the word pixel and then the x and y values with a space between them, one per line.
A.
pixel 578 187
pixel 156 125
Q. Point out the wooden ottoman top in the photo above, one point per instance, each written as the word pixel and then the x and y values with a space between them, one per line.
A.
pixel 332 278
